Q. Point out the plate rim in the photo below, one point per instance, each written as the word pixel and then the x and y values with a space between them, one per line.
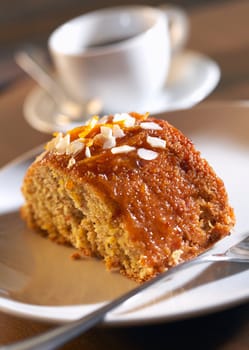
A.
pixel 207 310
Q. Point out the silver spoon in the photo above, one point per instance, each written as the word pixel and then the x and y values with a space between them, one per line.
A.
pixel 62 334
pixel 30 62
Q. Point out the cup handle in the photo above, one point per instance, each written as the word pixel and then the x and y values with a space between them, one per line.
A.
pixel 178 26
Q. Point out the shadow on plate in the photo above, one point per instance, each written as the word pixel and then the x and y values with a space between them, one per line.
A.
pixel 35 270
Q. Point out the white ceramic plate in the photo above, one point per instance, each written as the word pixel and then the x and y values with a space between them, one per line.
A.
pixel 39 280
pixel 191 78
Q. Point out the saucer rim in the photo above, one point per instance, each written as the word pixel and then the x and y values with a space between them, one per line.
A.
pixel 32 100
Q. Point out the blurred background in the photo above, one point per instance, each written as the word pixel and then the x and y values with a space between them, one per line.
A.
pixel 31 21
pixel 17 17
pixel 224 38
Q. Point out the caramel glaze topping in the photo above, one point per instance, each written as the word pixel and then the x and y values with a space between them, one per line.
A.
pixel 163 201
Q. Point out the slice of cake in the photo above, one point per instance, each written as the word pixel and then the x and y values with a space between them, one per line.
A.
pixel 129 189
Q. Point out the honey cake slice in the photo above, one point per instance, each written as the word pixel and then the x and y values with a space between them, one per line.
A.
pixel 129 189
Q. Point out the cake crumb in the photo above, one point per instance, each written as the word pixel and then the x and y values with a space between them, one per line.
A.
pixel 76 256
pixel 176 257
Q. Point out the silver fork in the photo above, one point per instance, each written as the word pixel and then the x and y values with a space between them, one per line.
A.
pixel 62 334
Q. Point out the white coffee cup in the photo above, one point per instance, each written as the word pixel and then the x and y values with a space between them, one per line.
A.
pixel 120 55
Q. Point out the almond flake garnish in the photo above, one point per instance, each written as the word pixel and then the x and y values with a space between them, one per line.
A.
pixel 50 146
pixel 105 137
pixel 75 147
pixel 117 131
pixel 125 118
pixel 146 154
pixel 109 142
pixel 87 152
pixel 129 122
pixel 71 162
pixel 106 131
pixel 62 144
pixel 156 142
pixel 99 139
pixel 103 133
pixel 150 126
pixel 122 149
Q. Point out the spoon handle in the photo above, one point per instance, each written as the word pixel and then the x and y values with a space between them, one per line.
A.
pixel 33 67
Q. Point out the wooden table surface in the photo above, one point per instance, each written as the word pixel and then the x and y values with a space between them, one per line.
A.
pixel 222 32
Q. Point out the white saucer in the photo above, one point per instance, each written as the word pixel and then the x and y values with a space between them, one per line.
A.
pixel 191 78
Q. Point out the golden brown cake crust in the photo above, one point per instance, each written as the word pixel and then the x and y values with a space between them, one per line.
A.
pixel 168 209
